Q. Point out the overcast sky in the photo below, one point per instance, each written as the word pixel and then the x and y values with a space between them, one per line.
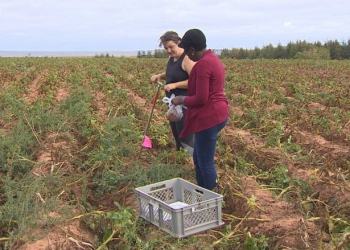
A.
pixel 112 25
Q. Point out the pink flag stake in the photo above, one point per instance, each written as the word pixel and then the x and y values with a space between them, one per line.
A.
pixel 146 142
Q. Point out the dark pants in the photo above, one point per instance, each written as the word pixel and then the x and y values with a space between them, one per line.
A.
pixel 185 142
pixel 203 155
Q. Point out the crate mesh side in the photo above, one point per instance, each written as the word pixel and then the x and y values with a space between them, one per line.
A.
pixel 167 221
pixel 199 198
pixel 200 217
pixel 187 196
pixel 190 195
pixel 144 209
pixel 166 215
pixel 166 218
pixel 165 194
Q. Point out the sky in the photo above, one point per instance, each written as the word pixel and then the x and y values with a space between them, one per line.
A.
pixel 134 25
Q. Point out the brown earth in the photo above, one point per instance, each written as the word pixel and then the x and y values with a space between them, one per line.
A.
pixel 247 203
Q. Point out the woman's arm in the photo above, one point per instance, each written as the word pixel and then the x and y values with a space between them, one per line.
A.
pixel 158 77
pixel 187 64
pixel 176 85
pixel 201 76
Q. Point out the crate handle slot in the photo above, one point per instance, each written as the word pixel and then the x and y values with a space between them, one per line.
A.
pixel 158 187
pixel 199 191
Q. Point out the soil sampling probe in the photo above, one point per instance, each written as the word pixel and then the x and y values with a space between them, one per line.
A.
pixel 146 143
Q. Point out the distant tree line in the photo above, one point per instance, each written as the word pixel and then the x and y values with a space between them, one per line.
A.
pixel 332 49
pixel 145 54
pixel 159 53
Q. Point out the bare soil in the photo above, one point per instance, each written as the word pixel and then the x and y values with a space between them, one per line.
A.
pixel 248 204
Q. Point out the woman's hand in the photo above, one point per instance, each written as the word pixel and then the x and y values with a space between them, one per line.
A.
pixel 170 86
pixel 156 78
pixel 178 100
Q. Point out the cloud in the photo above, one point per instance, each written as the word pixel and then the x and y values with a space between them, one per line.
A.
pixel 136 24
pixel 286 24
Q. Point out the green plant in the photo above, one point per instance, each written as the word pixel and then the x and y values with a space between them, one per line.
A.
pixel 243 166
pixel 279 177
pixel 84 126
pixel 275 135
pixel 290 147
pixel 120 229
pixel 26 205
pixel 17 158
pixel 256 243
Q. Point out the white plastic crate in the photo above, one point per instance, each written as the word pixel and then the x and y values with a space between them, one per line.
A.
pixel 180 207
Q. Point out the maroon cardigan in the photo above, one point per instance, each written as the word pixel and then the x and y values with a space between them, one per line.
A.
pixel 206 102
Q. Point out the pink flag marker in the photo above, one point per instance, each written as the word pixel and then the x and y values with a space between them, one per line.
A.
pixel 146 142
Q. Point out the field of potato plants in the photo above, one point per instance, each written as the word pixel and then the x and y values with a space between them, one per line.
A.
pixel 71 131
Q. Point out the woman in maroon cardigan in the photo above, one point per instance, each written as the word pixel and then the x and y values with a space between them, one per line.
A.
pixel 207 107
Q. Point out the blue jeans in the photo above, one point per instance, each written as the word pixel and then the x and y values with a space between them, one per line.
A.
pixel 203 155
